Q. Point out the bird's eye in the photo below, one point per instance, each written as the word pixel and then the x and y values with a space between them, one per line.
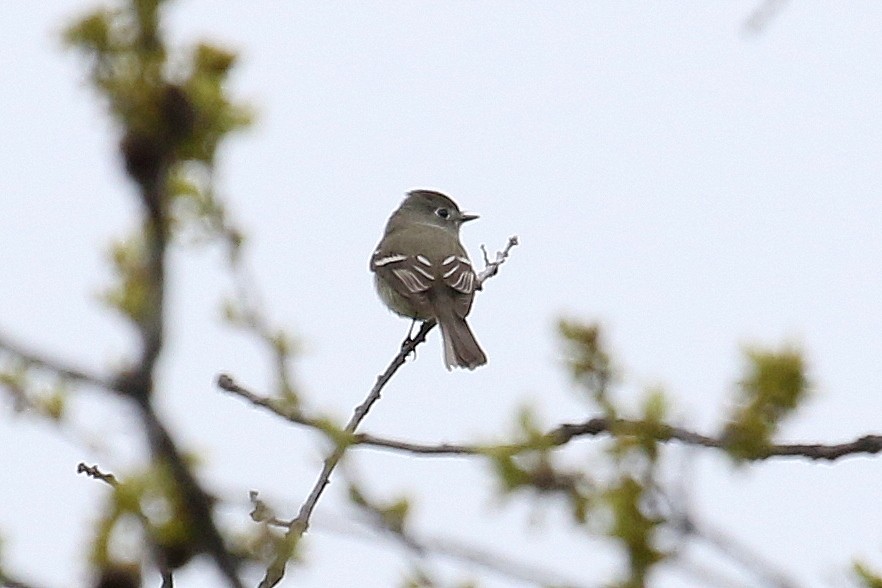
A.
pixel 443 213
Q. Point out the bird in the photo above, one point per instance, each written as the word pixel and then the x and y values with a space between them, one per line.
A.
pixel 423 272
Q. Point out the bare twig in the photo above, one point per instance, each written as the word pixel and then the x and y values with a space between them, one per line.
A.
pixel 97 474
pixel 492 267
pixel 282 409
pixel 299 525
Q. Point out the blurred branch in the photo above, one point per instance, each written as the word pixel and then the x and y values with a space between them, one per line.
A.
pixel 560 435
pixel 390 518
pixel 159 555
pixel 763 14
pixel 750 560
pixel 563 434
pixel 9 582
pixel 59 368
pixel 138 382
pixel 246 311
pixel 493 562
pixel 169 121
pixel 499 564
pixel 198 503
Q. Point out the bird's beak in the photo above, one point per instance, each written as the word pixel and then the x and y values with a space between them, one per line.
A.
pixel 465 216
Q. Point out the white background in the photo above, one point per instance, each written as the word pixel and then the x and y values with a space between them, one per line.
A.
pixel 694 188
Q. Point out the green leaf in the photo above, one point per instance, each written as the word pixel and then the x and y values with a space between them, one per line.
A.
pixel 588 360
pixel 633 528
pixel 773 386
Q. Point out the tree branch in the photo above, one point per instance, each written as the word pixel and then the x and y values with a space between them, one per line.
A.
pixel 750 560
pixel 762 16
pixel 59 368
pixel 9 582
pixel 299 525
pixel 563 434
pixel 95 473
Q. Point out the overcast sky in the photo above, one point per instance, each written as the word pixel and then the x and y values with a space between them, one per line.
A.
pixel 694 188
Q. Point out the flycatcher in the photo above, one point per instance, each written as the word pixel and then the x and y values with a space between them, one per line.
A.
pixel 422 271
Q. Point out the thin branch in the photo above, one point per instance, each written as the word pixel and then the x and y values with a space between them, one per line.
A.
pixel 493 562
pixel 763 14
pixel 299 525
pixel 868 444
pixel 375 524
pixel 248 314
pixel 563 434
pixel 749 559
pixel 59 368
pixel 97 474
pixel 282 409
pixel 492 267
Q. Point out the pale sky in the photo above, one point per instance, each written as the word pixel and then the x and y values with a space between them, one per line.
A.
pixel 694 188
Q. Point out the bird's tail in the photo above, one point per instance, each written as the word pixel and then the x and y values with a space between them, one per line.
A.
pixel 461 349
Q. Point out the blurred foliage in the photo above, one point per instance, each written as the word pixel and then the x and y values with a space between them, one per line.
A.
pixel 588 362
pixel 626 500
pixel 773 386
pixel 149 502
pixel 31 393
pixel 530 464
pixel 263 541
pixel 620 500
pixel 634 526
pixel 176 105
pixel 173 112
pixel 391 515
pixel 632 494
pixel 131 291
pixel 243 312
pixel 866 577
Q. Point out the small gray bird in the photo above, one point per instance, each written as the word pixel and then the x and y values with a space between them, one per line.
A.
pixel 422 271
